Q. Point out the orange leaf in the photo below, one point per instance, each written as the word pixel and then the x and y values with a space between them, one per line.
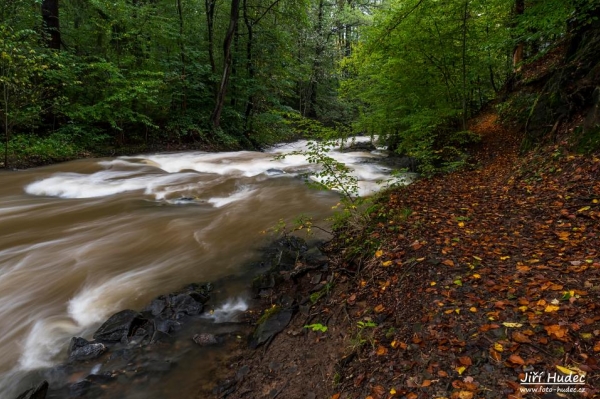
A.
pixel 378 308
pixel 335 396
pixel 495 355
pixel 442 373
pixel 516 359
pixel 381 350
pixel 411 395
pixel 448 262
pixel 465 361
pixel 426 383
pixel 520 337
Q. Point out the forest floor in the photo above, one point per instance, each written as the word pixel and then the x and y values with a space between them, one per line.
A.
pixel 483 277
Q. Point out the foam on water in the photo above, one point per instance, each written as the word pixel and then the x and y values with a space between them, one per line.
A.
pixel 228 310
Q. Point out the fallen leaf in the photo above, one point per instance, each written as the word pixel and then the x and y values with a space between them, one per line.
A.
pixel 465 360
pixel 473 309
pixel 379 308
pixel 460 370
pixel 335 396
pixel 386 263
pixel 516 359
pixel 520 337
pixel 498 347
pixel 448 262
pixel 512 325
pixel 551 308
pixel 381 350
pixel 378 254
pixel 426 383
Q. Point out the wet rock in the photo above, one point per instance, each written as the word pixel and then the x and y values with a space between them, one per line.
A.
pixel 272 325
pixel 205 339
pixel 79 389
pixel 184 304
pixel 81 349
pixel 362 146
pixel 39 392
pixel 157 306
pixel 119 326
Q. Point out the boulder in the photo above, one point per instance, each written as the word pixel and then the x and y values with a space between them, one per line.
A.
pixel 39 392
pixel 270 326
pixel 205 339
pixel 81 349
pixel 119 326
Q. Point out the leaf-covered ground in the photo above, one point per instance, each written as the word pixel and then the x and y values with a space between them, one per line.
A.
pixel 481 278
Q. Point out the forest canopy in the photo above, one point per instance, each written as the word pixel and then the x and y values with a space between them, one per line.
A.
pixel 82 75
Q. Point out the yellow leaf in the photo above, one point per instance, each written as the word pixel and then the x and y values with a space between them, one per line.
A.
pixel 378 254
pixel 394 344
pixel 392 391
pixel 512 325
pixel 461 224
pixel 585 208
pixel 457 311
pixel 551 308
pixel 433 283
pixel 565 370
pixel 498 347
pixel 586 335
pixel 477 258
pixel 386 263
pixel 523 308
pixel 461 370
pixel 473 309
pixel 504 257
pixel 476 275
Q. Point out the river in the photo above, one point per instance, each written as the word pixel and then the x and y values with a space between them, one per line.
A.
pixel 83 239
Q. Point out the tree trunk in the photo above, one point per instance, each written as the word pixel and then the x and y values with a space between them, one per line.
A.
pixel 51 23
pixel 249 68
pixel 316 73
pixel 182 56
pixel 464 66
pixel 227 61
pixel 518 51
pixel 210 25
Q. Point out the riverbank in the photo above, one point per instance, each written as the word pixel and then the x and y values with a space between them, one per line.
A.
pixel 481 278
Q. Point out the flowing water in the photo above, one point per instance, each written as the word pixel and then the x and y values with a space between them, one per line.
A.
pixel 84 239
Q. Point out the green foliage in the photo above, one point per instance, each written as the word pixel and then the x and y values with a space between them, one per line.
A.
pixel 317 327
pixel 516 109
pixel 56 147
pixel 587 141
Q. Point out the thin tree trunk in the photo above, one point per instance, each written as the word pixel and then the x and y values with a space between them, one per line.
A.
pixel 210 24
pixel 6 127
pixel 182 56
pixel 227 61
pixel 249 68
pixel 316 73
pixel 518 51
pixel 464 66
pixel 51 23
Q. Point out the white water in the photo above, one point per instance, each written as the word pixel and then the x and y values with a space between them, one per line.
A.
pixel 82 240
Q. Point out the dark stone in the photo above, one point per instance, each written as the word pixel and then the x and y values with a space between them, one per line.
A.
pixel 79 389
pixel 273 325
pixel 157 306
pixel 205 339
pixel 185 304
pixel 81 349
pixel 119 326
pixel 39 392
pixel 165 325
pixel 274 172
pixel 361 146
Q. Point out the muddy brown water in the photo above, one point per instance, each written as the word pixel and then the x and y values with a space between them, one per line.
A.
pixel 84 239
